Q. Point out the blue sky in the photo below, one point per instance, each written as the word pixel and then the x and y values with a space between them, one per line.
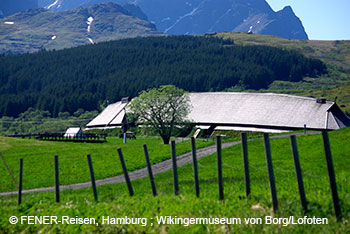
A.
pixel 322 19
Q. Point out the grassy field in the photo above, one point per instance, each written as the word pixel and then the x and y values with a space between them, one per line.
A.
pixel 38 157
pixel 115 202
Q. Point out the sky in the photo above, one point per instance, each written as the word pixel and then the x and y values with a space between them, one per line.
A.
pixel 322 19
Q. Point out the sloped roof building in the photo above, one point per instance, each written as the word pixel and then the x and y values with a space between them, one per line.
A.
pixel 266 112
pixel 74 133
pixel 112 116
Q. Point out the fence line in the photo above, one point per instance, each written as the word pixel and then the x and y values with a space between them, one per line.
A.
pixel 220 179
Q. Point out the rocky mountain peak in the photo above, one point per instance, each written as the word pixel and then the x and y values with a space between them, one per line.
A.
pixel 202 16
pixel 287 11
pixel 37 29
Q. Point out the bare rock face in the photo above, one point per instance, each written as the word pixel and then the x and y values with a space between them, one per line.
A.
pixel 203 16
pixel 192 17
pixel 199 17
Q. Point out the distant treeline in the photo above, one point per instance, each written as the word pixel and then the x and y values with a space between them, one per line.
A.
pixel 86 76
pixel 36 121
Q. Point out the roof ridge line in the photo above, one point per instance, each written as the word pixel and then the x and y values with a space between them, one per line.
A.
pixel 257 93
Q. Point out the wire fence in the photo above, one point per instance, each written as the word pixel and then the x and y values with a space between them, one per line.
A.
pixel 231 173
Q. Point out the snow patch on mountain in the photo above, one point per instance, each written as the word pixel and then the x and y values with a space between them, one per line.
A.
pixel 250 29
pixel 165 19
pixel 181 18
pixel 89 22
pixel 53 4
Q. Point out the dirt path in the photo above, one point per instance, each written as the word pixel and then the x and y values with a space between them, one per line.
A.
pixel 164 166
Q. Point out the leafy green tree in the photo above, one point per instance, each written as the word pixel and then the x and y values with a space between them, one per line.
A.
pixel 162 108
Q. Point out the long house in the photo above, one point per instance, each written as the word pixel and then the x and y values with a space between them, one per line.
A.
pixel 261 112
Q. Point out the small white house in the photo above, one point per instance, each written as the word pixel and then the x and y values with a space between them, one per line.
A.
pixel 74 133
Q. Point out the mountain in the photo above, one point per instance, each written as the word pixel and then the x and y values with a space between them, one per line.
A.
pixel 63 5
pixel 202 16
pixel 9 7
pixel 37 29
pixel 199 17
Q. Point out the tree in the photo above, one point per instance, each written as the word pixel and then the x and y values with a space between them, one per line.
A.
pixel 161 108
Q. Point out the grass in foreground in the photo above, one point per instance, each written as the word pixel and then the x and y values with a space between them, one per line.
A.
pixel 38 159
pixel 115 202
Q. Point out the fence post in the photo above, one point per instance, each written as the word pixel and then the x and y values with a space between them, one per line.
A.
pixel 331 174
pixel 219 164
pixel 124 137
pixel 149 168
pixel 173 157
pixel 20 181
pixel 270 172
pixel 57 181
pixel 195 167
pixel 126 175
pixel 8 169
pixel 246 163
pixel 298 172
pixel 92 175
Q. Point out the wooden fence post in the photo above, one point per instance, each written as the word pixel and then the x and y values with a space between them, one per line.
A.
pixel 20 181
pixel 298 172
pixel 331 174
pixel 173 157
pixel 149 168
pixel 126 175
pixel 8 169
pixel 246 163
pixel 57 181
pixel 195 167
pixel 270 172
pixel 219 164
pixel 92 175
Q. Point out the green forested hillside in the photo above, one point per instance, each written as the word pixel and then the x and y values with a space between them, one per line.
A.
pixel 86 76
pixel 335 54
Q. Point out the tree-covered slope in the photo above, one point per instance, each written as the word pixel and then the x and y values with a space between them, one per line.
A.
pixel 86 76
pixel 335 54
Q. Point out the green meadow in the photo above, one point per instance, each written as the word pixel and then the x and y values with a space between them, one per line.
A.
pixel 114 200
pixel 38 159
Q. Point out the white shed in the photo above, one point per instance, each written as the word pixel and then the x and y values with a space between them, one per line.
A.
pixel 74 133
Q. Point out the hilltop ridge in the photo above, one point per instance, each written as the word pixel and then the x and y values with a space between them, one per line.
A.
pixel 37 29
